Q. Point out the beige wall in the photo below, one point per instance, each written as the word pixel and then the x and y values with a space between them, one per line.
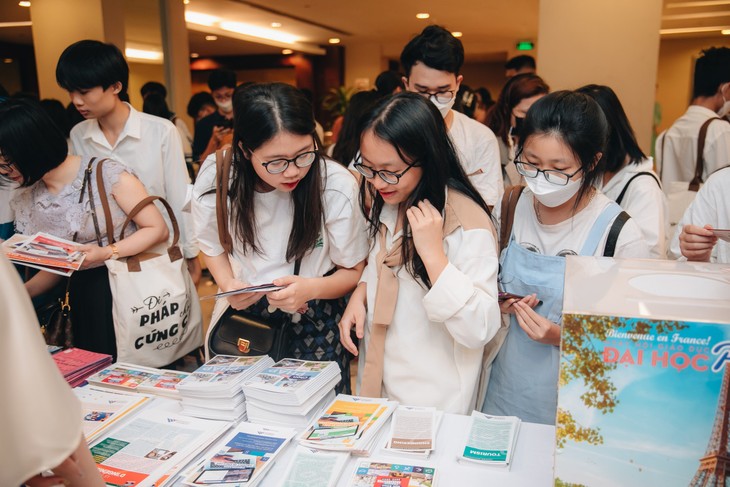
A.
pixel 674 76
pixel 139 74
pixel 489 75
pixel 610 42
pixel 363 62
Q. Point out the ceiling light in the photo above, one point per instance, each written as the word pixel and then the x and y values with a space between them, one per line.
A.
pixel 286 52
pixel 211 38
pixel 186 2
pixel 200 19
pixel 725 32
pixel 708 3
pixel 8 60
pixel 700 15
pixel 276 25
pixel 24 4
pixel 194 55
pixel 334 40
pixel 457 34
pixel 693 30
pixel 26 23
pixel 423 15
pixel 261 32
pixel 142 54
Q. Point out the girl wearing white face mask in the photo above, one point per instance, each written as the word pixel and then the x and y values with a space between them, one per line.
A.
pixel 559 214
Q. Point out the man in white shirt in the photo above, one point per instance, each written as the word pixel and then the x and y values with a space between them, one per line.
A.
pixel 676 147
pixel 432 61
pixel 95 75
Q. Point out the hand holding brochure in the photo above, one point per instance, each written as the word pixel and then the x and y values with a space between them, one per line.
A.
pixel 490 440
pixel 45 252
pixel 260 288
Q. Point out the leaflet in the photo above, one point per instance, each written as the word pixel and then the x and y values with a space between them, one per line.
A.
pixel 314 468
pixel 260 288
pixel 385 474
pixel 491 439
pixel 100 409
pixel 413 428
pixel 721 234
pixel 48 253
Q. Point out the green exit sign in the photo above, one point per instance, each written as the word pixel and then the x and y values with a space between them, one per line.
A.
pixel 525 46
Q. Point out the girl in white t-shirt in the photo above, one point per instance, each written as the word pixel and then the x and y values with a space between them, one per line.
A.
pixel 427 301
pixel 560 214
pixel 289 208
pixel 629 178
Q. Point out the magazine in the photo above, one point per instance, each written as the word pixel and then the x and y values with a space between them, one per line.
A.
pixel 490 440
pixel 385 474
pixel 314 468
pixel 242 458
pixel 46 252
pixel 148 446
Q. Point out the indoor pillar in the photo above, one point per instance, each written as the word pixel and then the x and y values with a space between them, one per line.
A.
pixel 177 57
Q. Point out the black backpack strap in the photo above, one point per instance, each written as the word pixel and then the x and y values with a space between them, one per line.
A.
pixel 626 187
pixel 614 232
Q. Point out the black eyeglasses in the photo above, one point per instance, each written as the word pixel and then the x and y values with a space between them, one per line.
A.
pixel 278 166
pixel 552 175
pixel 439 96
pixel 6 166
pixel 389 177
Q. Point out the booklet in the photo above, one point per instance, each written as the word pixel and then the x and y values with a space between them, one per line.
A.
pixel 76 364
pixel 385 474
pixel 260 288
pixel 46 252
pixel 314 468
pixel 490 440
pixel 137 378
pixel 242 458
pixel 100 409
pixel 413 430
pixel 148 446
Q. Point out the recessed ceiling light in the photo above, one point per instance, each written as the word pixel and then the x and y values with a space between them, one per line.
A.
pixel 286 52
pixel 24 4
pixel 8 60
pixel 725 32
pixel 211 38
pixel 276 25
pixel 334 40
pixel 186 2
pixel 457 34
pixel 423 15
pixel 194 55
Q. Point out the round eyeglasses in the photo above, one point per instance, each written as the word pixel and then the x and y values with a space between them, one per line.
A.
pixel 552 175
pixel 387 176
pixel 439 96
pixel 278 166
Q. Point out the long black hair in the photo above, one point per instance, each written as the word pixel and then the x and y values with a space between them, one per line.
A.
pixel 348 140
pixel 576 119
pixel 260 112
pixel 415 128
pixel 621 137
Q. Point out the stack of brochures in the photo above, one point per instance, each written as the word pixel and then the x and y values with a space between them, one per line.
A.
pixel 45 252
pixel 490 440
pixel 77 365
pixel 100 409
pixel 144 450
pixel 243 457
pixel 413 431
pixel 349 423
pixel 314 467
pixel 214 391
pixel 383 473
pixel 159 382
pixel 290 392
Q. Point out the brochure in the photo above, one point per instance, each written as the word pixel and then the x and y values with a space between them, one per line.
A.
pixel 385 474
pixel 242 458
pixel 137 378
pixel 413 430
pixel 148 446
pixel 100 409
pixel 490 440
pixel 260 288
pixel 77 364
pixel 48 253
pixel 314 468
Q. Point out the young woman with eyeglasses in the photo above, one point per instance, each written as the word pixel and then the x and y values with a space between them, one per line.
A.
pixel 427 302
pixel 288 204
pixel 560 213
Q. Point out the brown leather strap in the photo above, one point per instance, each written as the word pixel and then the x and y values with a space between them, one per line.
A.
pixel 696 182
pixel 90 188
pixel 509 202
pixel 104 201
pixel 133 262
pixel 222 177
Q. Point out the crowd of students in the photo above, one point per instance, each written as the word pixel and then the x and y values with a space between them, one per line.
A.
pixel 396 260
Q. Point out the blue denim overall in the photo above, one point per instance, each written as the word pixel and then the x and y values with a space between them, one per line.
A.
pixel 524 376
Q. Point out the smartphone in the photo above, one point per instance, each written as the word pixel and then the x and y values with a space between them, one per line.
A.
pixel 226 124
pixel 505 296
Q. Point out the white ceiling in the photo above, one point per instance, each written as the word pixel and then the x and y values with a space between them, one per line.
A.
pixel 490 27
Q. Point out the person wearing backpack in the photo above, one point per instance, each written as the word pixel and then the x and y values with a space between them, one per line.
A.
pixel 560 213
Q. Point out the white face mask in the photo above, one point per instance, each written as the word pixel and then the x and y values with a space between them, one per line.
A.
pixel 552 195
pixel 443 107
pixel 226 107
pixel 725 108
